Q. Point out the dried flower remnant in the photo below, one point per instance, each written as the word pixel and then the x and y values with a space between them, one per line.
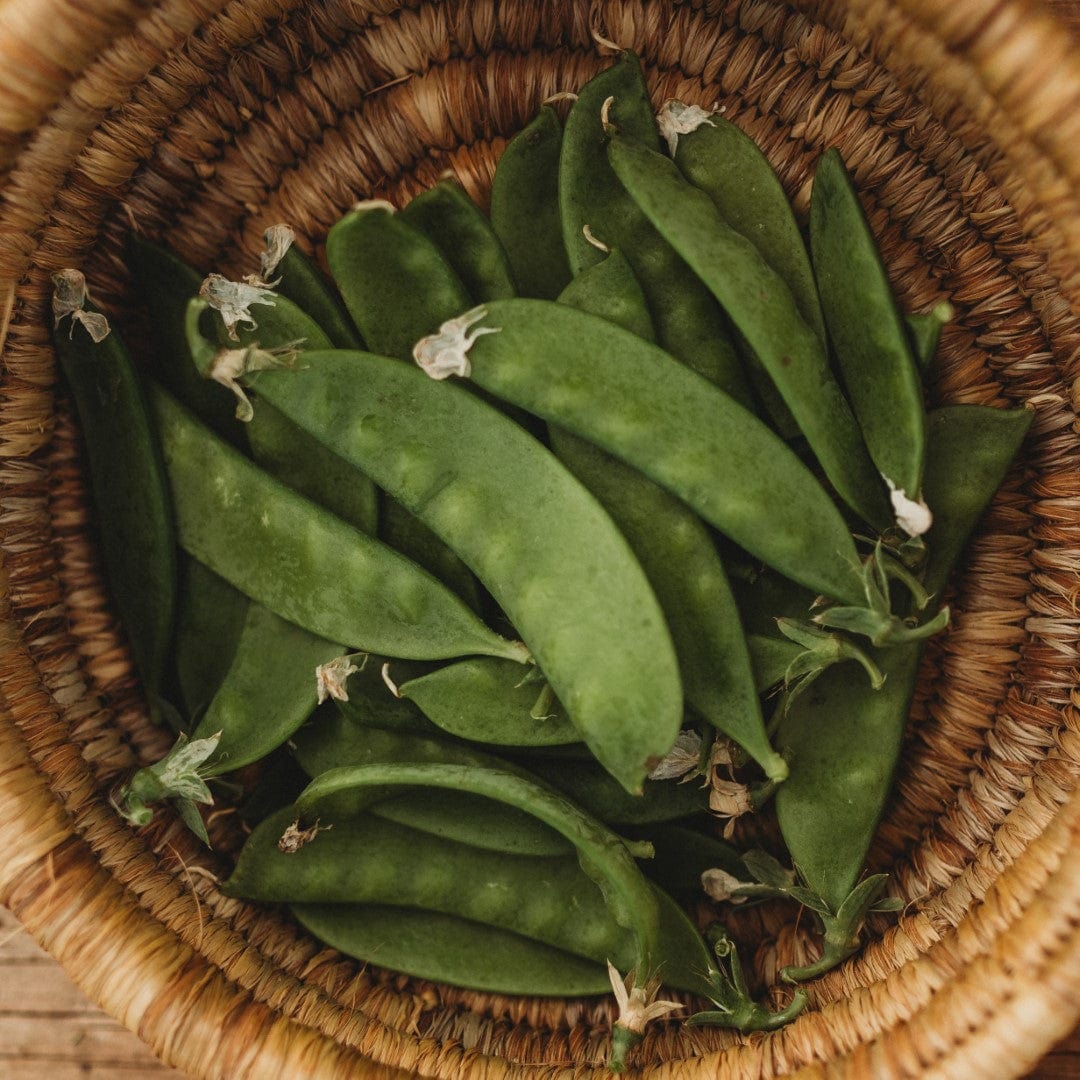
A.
pixel 445 352
pixel 912 515
pixel 69 298
pixel 294 837
pixel 676 118
pixel 683 760
pixel 331 679
pixel 278 239
pixel 233 300
pixel 231 365
pixel 721 886
pixel 636 1009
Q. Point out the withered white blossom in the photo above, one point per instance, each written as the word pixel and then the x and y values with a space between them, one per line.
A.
pixel 445 352
pixel 69 298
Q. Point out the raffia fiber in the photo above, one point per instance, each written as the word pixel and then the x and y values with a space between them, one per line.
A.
pixel 203 121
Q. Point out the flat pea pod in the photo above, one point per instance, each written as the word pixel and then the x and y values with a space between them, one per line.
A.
pixel 724 162
pixel 845 737
pixel 869 337
pixel 210 618
pixel 332 741
pixel 968 451
pixel 129 489
pixel 525 207
pixel 481 484
pixel 165 285
pixel 688 322
pixel 491 701
pixel 628 397
pixel 762 308
pixel 343 793
pixel 450 950
pixel 376 861
pixel 464 237
pixel 267 692
pixel 301 281
pixel 301 562
pixel 674 548
pixel 683 855
pixel 924 331
pixel 396 284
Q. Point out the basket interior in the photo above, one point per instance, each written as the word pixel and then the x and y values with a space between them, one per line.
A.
pixel 282 111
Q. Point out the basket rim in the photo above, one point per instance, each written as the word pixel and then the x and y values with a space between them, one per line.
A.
pixel 1040 114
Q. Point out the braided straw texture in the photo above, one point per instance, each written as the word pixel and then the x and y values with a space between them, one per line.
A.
pixel 202 121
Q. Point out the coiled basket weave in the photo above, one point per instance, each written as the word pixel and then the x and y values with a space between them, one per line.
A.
pixel 200 122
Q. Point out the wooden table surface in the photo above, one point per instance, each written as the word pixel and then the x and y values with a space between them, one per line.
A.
pixel 50 1031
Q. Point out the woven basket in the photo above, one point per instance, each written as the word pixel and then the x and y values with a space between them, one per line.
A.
pixel 203 121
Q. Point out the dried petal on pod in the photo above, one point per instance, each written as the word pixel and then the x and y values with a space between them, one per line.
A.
pixel 676 118
pixel 69 298
pixel 445 352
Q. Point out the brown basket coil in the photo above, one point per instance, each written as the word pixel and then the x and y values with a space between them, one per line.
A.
pixel 201 122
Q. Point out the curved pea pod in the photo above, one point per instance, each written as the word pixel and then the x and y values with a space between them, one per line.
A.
pixel 525 207
pixel 301 281
pixel 723 161
pixel 674 548
pixel 331 741
pixel 844 736
pixel 763 310
pixel 128 485
pixel 377 861
pixel 464 237
pixel 481 484
pixel 491 701
pixel 450 950
pixel 688 322
pixel 628 397
pixel 304 564
pixel 869 337
pixel 924 332
pixel 395 283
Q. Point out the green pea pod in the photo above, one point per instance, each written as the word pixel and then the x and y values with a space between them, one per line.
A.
pixel 491 701
pixel 253 712
pixel 868 334
pixel 762 308
pixel 465 238
pixel 376 861
pixel 608 386
pixel 771 657
pixel 688 322
pixel 396 284
pixel 165 285
pixel 525 207
pixel 302 282
pixel 128 488
pixel 481 483
pixel 450 950
pixel 371 704
pixel 305 565
pixel 725 163
pixel 683 855
pixel 209 620
pixel 844 736
pixel 924 332
pixel 674 548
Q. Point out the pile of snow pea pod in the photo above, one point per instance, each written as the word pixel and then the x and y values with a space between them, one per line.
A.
pixel 526 552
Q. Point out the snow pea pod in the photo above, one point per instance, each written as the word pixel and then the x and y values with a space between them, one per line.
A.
pixel 377 861
pixel 723 161
pixel 491 701
pixel 525 207
pixel 628 397
pixel 128 486
pixel 396 284
pixel 306 565
pixel 481 483
pixel 674 548
pixel 689 324
pixel 450 950
pixel 868 334
pixel 683 855
pixel 762 308
pixel 464 237
pixel 845 737
pixel 301 281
